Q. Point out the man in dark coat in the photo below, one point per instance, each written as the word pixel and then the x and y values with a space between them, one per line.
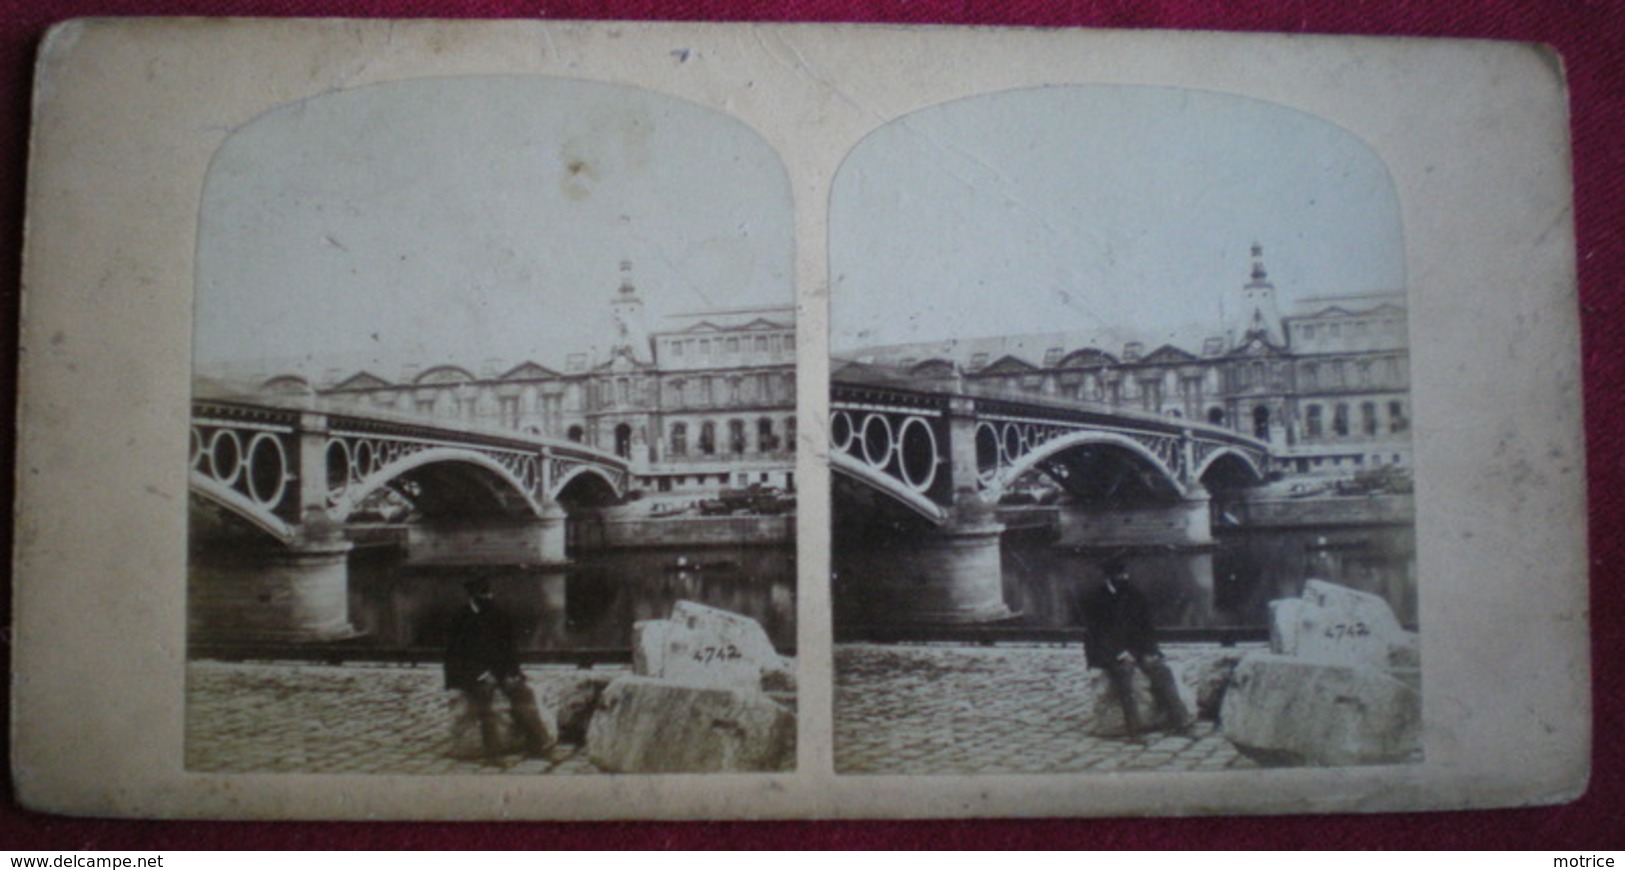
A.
pixel 481 660
pixel 1118 637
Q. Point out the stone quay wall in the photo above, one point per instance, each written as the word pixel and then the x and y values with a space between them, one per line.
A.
pixel 1329 511
pixel 695 531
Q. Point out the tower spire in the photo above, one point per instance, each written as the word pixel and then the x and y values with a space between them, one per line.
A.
pixel 626 278
pixel 631 338
pixel 1260 275
pixel 1257 315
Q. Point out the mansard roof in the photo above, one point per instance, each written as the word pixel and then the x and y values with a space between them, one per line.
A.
pixel 734 320
pixel 1086 356
pixel 1169 354
pixel 362 380
pixel 1008 364
pixel 1343 311
pixel 1326 312
pixel 528 371
pixel 708 326
pixel 934 367
pixel 1083 346
pixel 444 374
pixel 286 383
pixel 853 369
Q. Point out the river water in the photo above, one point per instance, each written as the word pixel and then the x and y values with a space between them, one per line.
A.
pixel 593 603
pixel 1227 585
pixel 589 605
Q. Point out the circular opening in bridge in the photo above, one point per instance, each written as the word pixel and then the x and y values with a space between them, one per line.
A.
pixel 361 460
pixel 196 453
pixel 840 431
pixel 225 457
pixel 267 470
pixel 1012 442
pixel 987 450
pixel 877 440
pixel 917 454
pixel 338 466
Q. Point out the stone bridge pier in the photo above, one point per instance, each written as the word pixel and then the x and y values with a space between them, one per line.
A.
pixel 1184 523
pixel 529 541
pixel 295 590
pixel 951 573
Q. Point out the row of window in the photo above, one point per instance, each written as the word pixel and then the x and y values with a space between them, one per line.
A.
pixel 1368 423
pixel 1385 372
pixel 708 390
pixel 1349 328
pixel 707 347
pixel 735 441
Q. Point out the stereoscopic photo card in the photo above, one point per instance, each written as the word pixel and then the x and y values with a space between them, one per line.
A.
pixel 566 420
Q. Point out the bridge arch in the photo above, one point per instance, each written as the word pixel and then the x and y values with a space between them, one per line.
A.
pixel 584 484
pixel 1227 465
pixel 877 480
pixel 258 516
pixel 454 475
pixel 996 485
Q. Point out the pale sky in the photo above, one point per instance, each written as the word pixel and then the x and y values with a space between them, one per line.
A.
pixel 461 220
pixel 1082 208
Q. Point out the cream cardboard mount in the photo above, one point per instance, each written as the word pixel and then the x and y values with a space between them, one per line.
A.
pixel 1288 325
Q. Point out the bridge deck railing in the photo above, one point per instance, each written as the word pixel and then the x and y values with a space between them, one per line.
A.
pixel 378 421
pixel 1077 410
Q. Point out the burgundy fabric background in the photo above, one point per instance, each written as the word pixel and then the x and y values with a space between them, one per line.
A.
pixel 1590 34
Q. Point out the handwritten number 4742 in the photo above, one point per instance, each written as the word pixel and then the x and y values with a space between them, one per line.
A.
pixel 1342 630
pixel 709 654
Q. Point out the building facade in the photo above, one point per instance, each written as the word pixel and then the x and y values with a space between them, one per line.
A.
pixel 705 404
pixel 1327 385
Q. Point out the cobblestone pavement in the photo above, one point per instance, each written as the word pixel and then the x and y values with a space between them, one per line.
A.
pixel 898 709
pixel 955 709
pixel 351 719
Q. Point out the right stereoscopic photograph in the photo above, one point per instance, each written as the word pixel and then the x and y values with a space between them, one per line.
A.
pixel 1119 434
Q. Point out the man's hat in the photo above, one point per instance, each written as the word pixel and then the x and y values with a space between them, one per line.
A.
pixel 478 586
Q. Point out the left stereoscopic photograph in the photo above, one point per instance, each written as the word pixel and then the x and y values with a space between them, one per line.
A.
pixel 492 462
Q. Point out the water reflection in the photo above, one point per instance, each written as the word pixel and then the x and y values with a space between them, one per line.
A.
pixel 1230 584
pixel 589 605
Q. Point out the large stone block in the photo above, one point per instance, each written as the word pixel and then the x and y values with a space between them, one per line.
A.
pixel 1336 625
pixel 645 725
pixel 705 646
pixel 1281 710
pixel 1109 720
pixel 729 628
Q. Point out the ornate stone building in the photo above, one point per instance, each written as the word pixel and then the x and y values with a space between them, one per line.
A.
pixel 704 404
pixel 1327 385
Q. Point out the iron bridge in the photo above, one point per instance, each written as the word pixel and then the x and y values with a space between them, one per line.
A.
pixel 284 468
pixel 922 445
